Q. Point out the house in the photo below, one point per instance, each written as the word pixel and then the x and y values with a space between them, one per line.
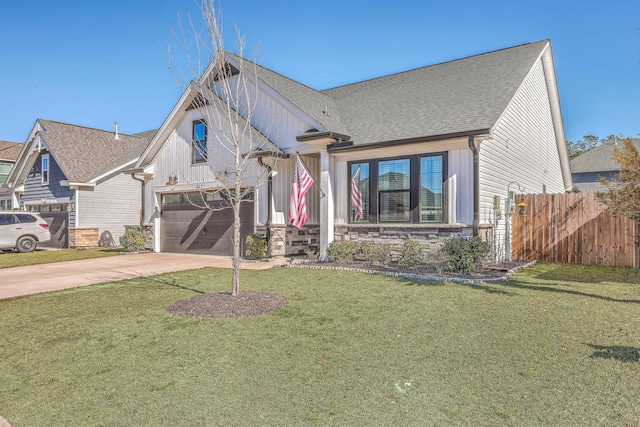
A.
pixel 437 151
pixel 8 154
pixel 589 167
pixel 73 176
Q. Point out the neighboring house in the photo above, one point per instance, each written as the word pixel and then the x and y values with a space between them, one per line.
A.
pixel 457 133
pixel 8 154
pixel 73 176
pixel 589 167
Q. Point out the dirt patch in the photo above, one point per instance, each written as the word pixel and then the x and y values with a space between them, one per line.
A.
pixel 219 305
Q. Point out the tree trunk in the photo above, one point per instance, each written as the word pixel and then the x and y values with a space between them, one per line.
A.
pixel 235 280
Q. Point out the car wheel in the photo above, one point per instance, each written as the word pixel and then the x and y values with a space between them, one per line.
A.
pixel 26 244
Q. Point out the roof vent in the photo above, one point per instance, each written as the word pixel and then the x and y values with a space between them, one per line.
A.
pixel 117 134
pixel 325 111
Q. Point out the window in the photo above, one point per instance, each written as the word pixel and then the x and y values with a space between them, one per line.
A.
pixel 171 198
pixel 45 169
pixel 25 218
pixel 7 219
pixel 394 190
pixel 5 168
pixel 359 192
pixel 402 190
pixel 199 142
pixel 431 189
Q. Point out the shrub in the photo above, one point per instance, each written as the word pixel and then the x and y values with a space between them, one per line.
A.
pixel 464 254
pixel 134 240
pixel 312 256
pixel 375 253
pixel 255 246
pixel 411 253
pixel 342 251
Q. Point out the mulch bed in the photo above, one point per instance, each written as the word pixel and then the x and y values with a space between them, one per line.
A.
pixel 220 305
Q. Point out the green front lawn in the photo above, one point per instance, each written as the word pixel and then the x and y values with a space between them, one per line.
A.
pixel 15 259
pixel 556 345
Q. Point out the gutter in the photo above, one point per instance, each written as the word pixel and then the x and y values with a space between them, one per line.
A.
pixel 321 135
pixel 144 187
pixel 143 181
pixel 350 146
pixel 476 184
pixel 67 183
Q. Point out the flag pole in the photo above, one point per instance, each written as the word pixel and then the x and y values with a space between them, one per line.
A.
pixel 307 169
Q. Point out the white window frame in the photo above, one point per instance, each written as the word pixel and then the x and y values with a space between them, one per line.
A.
pixel 42 169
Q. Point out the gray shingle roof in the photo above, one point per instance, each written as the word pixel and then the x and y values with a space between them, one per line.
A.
pixel 86 153
pixel 599 158
pixel 9 150
pixel 463 95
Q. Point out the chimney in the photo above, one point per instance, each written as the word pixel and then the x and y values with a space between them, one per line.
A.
pixel 117 135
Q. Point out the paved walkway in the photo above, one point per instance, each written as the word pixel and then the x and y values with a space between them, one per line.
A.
pixel 34 279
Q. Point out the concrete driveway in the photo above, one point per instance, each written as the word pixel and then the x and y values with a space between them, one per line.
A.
pixel 34 279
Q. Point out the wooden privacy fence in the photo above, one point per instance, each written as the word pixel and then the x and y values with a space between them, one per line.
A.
pixel 572 228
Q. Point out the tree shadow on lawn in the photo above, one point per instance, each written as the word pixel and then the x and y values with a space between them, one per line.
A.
pixel 522 285
pixel 585 273
pixel 476 286
pixel 616 352
pixel 170 282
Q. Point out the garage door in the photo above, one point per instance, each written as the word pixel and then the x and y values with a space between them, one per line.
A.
pixel 59 228
pixel 186 228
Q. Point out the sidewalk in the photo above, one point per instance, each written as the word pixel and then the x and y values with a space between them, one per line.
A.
pixel 19 281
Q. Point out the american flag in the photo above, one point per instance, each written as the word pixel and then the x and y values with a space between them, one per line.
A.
pixel 356 196
pixel 302 182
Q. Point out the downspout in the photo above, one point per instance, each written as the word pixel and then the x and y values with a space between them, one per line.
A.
pixel 476 184
pixel 269 203
pixel 144 185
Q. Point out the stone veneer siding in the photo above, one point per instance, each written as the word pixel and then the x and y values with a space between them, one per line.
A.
pixel 83 237
pixel 288 240
pixel 431 236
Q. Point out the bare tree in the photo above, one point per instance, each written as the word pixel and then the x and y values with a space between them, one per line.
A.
pixel 235 131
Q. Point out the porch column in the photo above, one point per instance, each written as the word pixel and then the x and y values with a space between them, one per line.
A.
pixel 326 203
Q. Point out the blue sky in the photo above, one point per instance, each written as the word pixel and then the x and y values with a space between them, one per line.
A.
pixel 93 63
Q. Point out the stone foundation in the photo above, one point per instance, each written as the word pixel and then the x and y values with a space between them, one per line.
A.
pixel 431 237
pixel 288 240
pixel 83 237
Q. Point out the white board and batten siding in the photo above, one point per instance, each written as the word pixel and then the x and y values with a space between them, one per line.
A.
pixel 175 158
pixel 111 205
pixel 522 149
pixel 282 182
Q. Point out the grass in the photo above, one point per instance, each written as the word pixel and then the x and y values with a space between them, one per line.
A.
pixel 14 259
pixel 556 345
